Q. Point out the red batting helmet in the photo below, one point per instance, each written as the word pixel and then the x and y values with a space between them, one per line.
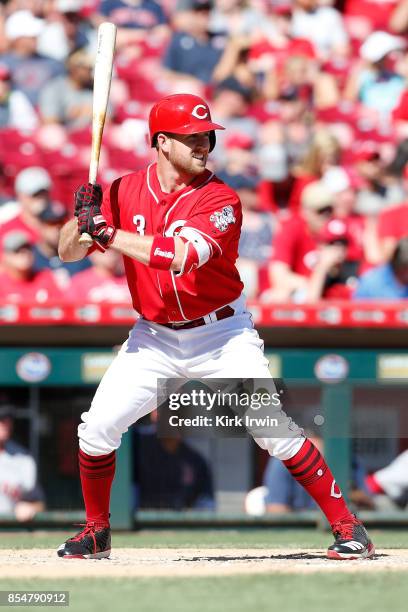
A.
pixel 182 114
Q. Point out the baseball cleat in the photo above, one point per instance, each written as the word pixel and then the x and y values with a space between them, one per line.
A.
pixel 93 542
pixel 351 540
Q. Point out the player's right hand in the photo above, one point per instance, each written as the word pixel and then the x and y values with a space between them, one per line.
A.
pixel 87 195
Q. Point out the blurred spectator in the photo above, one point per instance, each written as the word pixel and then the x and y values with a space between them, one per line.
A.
pixel 284 63
pixel 68 99
pixel 363 16
pixel 193 52
pixel 324 152
pixel 30 71
pixel 103 282
pixel 376 192
pixel 230 107
pixel 240 160
pixel 255 245
pixel 321 25
pixel 20 494
pixel 314 255
pixel 32 187
pixel 391 481
pixel 296 243
pixel 389 281
pixel 336 270
pixel 398 20
pixel 375 82
pixel 169 473
pixel 392 227
pixel 362 230
pixel 137 20
pixel 234 64
pixel 19 283
pixel 16 111
pixel 275 43
pixel 46 248
pixel 64 30
pixel 139 14
pixel 234 17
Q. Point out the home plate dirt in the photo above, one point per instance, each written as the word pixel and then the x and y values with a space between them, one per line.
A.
pixel 144 562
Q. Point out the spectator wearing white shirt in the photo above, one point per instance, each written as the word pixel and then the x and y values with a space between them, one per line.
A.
pixel 16 111
pixel 321 25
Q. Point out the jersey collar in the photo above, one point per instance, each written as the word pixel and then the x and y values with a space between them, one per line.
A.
pixel 168 198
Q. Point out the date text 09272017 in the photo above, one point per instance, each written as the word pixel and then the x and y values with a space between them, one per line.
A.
pixel 34 598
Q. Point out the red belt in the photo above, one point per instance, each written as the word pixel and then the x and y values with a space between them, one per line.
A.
pixel 222 313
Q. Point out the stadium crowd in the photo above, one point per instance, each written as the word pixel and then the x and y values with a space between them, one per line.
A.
pixel 314 97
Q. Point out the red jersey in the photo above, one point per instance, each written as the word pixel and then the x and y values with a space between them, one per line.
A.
pixel 295 246
pixel 355 230
pixel 40 288
pixel 393 222
pixel 377 12
pixel 299 185
pixel 264 49
pixel 89 286
pixel 208 214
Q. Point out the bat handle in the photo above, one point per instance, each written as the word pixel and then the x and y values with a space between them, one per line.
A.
pixel 85 239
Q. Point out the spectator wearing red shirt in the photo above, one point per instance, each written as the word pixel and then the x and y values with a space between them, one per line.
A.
pixel 104 282
pixel 377 14
pixel 276 44
pixel 283 63
pixel 392 226
pixel 324 152
pixel 336 271
pixel 32 186
pixel 19 283
pixel 361 230
pixel 296 244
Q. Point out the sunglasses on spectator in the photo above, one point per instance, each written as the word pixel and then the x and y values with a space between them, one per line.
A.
pixel 21 249
pixel 40 193
pixel 325 211
pixel 72 16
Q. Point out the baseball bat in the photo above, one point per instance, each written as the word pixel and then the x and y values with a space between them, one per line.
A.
pixel 101 87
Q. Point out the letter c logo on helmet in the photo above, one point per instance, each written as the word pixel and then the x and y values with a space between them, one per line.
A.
pixel 197 112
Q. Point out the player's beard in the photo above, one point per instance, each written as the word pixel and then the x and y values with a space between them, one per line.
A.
pixel 187 164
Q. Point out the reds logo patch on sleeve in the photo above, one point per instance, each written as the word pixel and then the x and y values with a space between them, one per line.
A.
pixel 222 219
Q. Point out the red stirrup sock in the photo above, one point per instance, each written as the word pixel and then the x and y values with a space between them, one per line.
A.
pixel 96 478
pixel 309 468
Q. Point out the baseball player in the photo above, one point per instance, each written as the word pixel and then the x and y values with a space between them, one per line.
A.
pixel 178 226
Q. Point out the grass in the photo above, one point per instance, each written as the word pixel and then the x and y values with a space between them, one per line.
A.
pixel 204 538
pixel 318 592
pixel 287 593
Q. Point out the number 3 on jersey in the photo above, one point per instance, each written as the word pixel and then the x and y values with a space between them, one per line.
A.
pixel 140 223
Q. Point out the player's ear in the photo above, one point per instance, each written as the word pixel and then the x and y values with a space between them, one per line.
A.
pixel 163 142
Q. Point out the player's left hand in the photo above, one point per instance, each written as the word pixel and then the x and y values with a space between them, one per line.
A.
pixel 92 222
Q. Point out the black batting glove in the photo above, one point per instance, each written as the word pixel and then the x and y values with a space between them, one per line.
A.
pixel 92 222
pixel 87 195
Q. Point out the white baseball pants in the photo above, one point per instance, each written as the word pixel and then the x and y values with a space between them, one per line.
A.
pixel 230 348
